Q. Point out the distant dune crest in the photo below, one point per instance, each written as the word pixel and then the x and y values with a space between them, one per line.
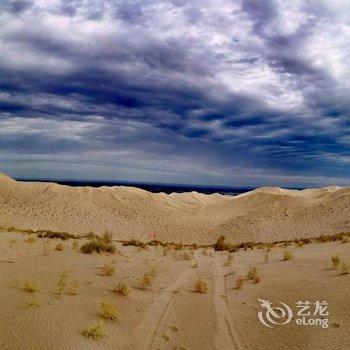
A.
pixel 264 214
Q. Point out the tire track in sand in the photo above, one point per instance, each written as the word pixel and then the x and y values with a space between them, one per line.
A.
pixel 152 320
pixel 226 336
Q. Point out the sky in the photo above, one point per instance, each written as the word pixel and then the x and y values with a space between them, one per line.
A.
pixel 209 92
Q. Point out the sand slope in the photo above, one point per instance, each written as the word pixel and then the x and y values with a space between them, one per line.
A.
pixel 265 214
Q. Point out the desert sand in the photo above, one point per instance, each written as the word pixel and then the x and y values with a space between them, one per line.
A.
pixel 169 313
pixel 263 215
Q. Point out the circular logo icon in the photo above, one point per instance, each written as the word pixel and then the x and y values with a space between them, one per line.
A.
pixel 274 315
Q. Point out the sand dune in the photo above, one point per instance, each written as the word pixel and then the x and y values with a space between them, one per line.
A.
pixel 169 314
pixel 265 214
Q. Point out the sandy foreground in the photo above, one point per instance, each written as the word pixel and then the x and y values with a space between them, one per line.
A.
pixel 169 314
pixel 49 296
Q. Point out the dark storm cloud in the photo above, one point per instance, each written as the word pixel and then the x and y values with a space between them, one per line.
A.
pixel 15 6
pixel 227 90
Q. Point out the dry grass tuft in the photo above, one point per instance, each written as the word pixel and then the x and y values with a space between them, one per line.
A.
pixel 107 269
pixel 147 280
pixel 287 255
pixel 148 277
pixel 67 284
pixel 187 256
pixel 201 286
pixel 253 274
pixel 335 261
pixel 72 287
pixel 60 247
pixel 94 331
pixel 33 303
pixel 122 288
pixel 31 286
pixel 239 282
pixel 266 257
pixel 61 285
pixel 30 239
pixel 194 264
pixel 109 311
pixel 107 237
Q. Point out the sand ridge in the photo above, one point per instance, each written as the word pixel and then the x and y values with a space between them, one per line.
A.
pixel 264 214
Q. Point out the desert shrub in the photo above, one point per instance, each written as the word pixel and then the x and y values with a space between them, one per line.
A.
pixel 122 288
pixel 298 242
pixel 178 246
pixel 220 244
pixel 330 238
pixel 107 237
pixel 109 311
pixel 201 286
pixel 30 239
pixel 335 260
pixel 61 235
pixel 107 269
pixel 147 280
pixel 91 236
pixel 261 246
pixel 247 245
pixel 287 255
pixel 305 240
pixel 239 282
pixel 135 243
pixel 155 242
pixel 59 247
pixel 98 246
pixel 344 269
pixel 94 331
pixel 31 286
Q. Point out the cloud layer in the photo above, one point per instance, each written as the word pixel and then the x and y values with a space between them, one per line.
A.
pixel 211 92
